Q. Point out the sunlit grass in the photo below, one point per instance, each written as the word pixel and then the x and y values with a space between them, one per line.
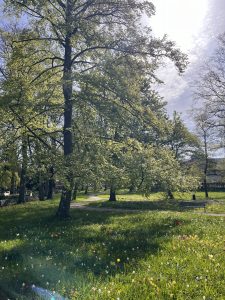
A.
pixel 124 195
pixel 95 255
pixel 158 201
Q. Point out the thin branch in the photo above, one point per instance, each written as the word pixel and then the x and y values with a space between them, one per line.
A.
pixel 56 8
pixel 45 71
pixel 61 4
pixel 28 128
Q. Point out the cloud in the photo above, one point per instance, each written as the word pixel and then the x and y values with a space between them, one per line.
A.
pixel 195 33
pixel 174 85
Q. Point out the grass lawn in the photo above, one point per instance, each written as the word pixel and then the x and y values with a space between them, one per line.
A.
pixel 156 201
pixel 111 255
pixel 123 194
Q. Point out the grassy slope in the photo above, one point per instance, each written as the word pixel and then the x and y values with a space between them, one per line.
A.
pixel 151 255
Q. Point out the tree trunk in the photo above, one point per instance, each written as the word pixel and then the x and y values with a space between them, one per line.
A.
pixel 86 190
pixel 170 195
pixel 131 189
pixel 206 167
pixel 13 183
pixel 64 206
pixel 112 196
pixel 41 191
pixel 51 184
pixel 22 188
pixel 205 185
pixel 75 192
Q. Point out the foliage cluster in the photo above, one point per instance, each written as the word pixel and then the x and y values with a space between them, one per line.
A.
pixel 79 105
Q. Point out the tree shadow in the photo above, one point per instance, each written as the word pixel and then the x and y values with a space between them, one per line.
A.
pixel 146 205
pixel 51 251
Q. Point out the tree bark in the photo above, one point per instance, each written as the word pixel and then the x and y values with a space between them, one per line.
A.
pixel 66 197
pixel 205 184
pixel 13 183
pixel 75 192
pixel 22 188
pixel 41 191
pixel 112 196
pixel 51 184
pixel 86 190
pixel 132 188
pixel 170 195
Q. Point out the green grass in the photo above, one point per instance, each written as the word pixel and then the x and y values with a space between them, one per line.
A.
pixel 157 201
pixel 108 256
pixel 124 195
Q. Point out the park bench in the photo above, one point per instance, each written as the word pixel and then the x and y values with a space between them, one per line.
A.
pixel 193 204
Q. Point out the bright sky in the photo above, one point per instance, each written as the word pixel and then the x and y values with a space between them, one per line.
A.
pixel 182 20
pixel 193 25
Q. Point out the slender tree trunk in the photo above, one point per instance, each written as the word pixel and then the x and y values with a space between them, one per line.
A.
pixel 41 191
pixel 51 184
pixel 75 192
pixel 86 190
pixel 112 196
pixel 22 188
pixel 64 206
pixel 13 183
pixel 170 195
pixel 131 189
pixel 205 184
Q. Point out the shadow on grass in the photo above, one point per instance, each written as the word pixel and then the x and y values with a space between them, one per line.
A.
pixel 59 255
pixel 146 205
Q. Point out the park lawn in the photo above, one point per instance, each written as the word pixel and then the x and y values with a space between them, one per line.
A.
pixel 124 195
pixel 109 256
pixel 157 201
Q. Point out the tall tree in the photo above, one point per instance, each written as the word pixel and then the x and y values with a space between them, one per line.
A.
pixel 78 34
pixel 209 88
pixel 206 132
